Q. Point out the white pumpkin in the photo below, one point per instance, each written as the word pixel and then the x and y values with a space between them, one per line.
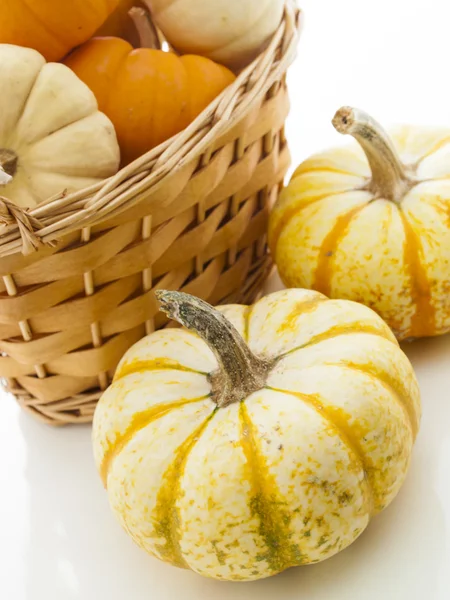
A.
pixel 52 136
pixel 264 438
pixel 231 32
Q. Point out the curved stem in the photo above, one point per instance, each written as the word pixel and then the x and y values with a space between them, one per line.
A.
pixel 148 35
pixel 240 372
pixel 390 178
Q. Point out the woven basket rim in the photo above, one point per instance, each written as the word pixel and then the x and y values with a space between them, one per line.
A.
pixel 25 231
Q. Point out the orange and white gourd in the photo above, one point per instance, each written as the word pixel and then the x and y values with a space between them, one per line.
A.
pixel 370 223
pixel 52 136
pixel 259 438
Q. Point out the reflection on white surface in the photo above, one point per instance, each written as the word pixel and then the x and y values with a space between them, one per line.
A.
pixel 66 572
pixel 58 539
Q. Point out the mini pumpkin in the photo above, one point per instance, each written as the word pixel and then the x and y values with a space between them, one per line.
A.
pixel 148 94
pixel 52 136
pixel 260 437
pixel 231 32
pixel 52 27
pixel 370 223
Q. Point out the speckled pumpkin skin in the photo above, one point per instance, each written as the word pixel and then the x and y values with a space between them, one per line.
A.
pixel 328 235
pixel 289 476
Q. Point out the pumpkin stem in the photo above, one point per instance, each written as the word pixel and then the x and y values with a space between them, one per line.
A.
pixel 8 165
pixel 390 178
pixel 147 32
pixel 240 372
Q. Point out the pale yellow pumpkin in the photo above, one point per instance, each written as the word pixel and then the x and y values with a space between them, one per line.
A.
pixel 52 136
pixel 371 223
pixel 264 438
pixel 231 32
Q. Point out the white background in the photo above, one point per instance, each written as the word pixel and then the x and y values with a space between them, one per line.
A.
pixel 58 540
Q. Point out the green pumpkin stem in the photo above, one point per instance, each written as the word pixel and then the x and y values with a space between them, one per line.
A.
pixel 390 178
pixel 240 372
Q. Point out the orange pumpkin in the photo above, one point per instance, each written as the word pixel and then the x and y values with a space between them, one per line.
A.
pixel 148 94
pixel 52 27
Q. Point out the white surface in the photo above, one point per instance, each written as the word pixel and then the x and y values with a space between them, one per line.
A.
pixel 58 540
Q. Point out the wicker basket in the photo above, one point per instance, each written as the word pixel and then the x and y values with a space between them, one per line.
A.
pixel 78 272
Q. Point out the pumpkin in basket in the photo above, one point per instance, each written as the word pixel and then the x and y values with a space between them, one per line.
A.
pixel 53 27
pixel 148 94
pixel 261 437
pixel 231 32
pixel 52 136
pixel 373 226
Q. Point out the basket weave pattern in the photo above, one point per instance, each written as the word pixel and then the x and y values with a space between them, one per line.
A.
pixel 79 271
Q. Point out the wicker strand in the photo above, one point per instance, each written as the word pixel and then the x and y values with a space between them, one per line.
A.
pixel 239 149
pixel 11 214
pixel 147 282
pixel 24 325
pixel 89 288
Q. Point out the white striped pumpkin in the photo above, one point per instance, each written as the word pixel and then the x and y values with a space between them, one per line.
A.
pixel 264 445
pixel 373 226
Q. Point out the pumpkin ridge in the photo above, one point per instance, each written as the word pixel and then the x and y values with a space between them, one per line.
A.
pixel 165 515
pixel 55 131
pixel 441 206
pixel 327 251
pixel 343 432
pixel 25 102
pixel 266 505
pixel 43 25
pixel 325 170
pixel 423 322
pixel 301 308
pixel 187 108
pixel 140 421
pixel 433 150
pixel 114 78
pixel 290 213
pixel 156 364
pixel 337 330
pixel 389 383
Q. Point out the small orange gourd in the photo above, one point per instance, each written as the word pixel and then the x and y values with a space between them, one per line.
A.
pixel 52 27
pixel 148 94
